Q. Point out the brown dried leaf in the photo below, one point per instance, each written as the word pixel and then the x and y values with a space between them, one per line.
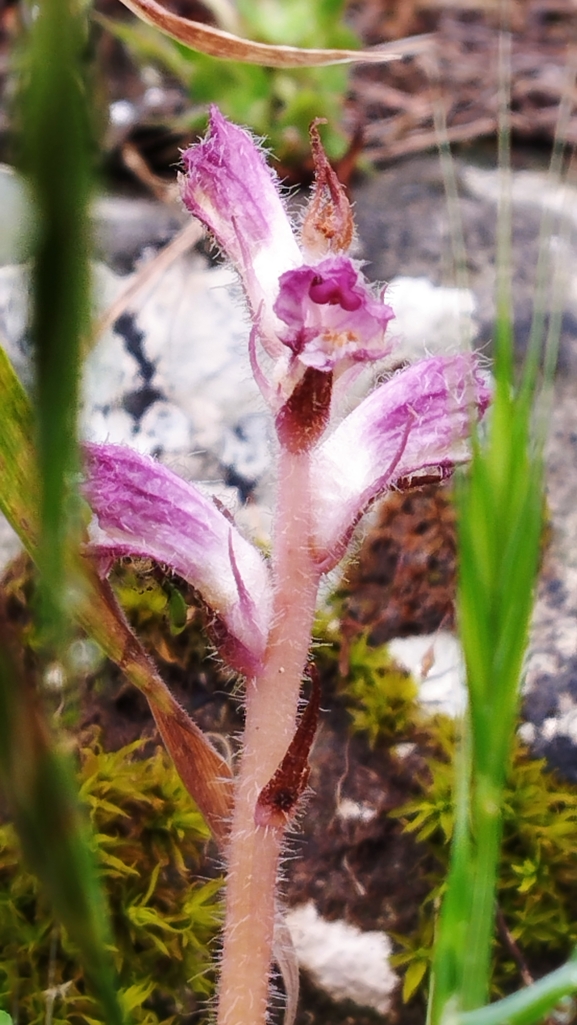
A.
pixel 216 43
pixel 204 772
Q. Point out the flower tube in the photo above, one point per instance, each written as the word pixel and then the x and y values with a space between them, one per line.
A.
pixel 144 509
pixel 228 185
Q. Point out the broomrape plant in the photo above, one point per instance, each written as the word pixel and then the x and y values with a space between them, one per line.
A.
pixel 316 323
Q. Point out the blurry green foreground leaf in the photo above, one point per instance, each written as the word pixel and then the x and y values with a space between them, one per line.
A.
pixel 39 785
pixel 56 148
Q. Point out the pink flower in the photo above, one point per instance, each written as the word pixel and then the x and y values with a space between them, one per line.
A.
pixel 143 509
pixel 331 314
pixel 316 316
pixel 323 312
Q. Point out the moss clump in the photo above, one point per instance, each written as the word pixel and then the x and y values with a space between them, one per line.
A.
pixel 382 696
pixel 150 840
pixel 537 891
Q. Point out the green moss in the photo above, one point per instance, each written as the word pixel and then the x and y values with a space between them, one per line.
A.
pixel 150 595
pixel 537 892
pixel 150 840
pixel 380 694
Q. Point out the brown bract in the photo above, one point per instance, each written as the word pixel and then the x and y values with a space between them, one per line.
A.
pixel 278 800
pixel 328 225
pixel 305 415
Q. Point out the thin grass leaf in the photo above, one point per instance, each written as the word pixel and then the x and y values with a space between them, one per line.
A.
pixel 56 149
pixel 55 839
pixel 531 1004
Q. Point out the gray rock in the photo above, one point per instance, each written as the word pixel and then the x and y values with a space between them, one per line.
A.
pixel 405 229
pixel 125 228
pixel 551 672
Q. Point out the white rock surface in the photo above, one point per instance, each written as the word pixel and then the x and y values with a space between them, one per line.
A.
pixel 192 333
pixel 347 963
pixel 436 663
pixel 430 319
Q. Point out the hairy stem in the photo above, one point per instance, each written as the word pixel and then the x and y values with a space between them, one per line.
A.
pixel 271 709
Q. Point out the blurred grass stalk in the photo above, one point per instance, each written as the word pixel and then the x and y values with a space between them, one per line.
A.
pixel 500 500
pixel 56 155
pixel 54 834
pixel 38 780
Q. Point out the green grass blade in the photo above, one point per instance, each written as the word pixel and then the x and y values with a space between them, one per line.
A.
pixel 56 155
pixel 530 1005
pixel 455 910
pixel 40 787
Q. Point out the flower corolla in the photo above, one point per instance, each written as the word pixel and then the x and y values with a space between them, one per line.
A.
pixel 310 302
pixel 315 317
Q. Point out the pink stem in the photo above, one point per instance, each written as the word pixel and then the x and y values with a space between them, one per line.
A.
pixel 271 710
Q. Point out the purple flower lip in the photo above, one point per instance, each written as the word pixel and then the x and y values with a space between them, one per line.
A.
pixel 331 315
pixel 144 509
pixel 329 289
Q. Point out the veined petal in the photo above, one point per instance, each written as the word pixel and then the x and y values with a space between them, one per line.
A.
pixel 144 509
pixel 229 186
pixel 418 419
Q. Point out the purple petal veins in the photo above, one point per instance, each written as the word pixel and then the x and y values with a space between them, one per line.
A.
pixel 230 188
pixel 418 419
pixel 144 509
